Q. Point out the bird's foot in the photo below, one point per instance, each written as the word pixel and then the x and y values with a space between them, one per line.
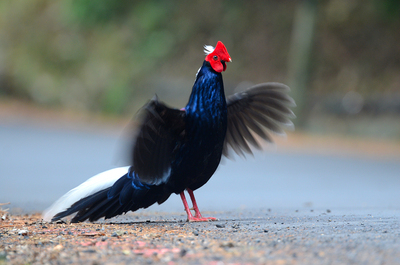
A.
pixel 201 219
pixel 197 217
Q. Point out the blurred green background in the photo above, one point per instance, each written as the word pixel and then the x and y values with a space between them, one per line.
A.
pixel 340 57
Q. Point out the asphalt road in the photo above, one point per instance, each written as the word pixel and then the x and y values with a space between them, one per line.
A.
pixel 280 207
pixel 351 236
pixel 38 164
pixel 280 236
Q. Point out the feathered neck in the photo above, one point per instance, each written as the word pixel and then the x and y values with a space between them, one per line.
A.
pixel 208 91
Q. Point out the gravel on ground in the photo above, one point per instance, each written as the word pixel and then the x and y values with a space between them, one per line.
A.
pixel 282 236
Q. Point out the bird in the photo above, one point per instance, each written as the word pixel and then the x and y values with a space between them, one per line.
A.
pixel 177 150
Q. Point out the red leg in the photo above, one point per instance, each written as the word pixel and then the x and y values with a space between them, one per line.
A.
pixel 187 209
pixel 197 217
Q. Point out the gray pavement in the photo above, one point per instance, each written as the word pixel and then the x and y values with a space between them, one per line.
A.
pixel 280 207
pixel 283 236
pixel 38 164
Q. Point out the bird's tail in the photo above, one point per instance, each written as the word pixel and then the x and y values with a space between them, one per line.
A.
pixel 107 194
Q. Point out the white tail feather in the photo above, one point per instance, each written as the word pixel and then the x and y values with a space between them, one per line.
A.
pixel 97 183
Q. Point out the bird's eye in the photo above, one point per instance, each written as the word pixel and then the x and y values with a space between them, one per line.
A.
pixel 215 57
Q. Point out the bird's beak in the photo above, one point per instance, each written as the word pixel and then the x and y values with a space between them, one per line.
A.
pixel 230 60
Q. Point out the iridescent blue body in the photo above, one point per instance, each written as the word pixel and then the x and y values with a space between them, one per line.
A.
pixel 177 150
pixel 206 123
pixel 197 157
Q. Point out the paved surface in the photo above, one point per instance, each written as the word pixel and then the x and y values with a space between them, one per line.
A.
pixel 268 236
pixel 280 207
pixel 39 164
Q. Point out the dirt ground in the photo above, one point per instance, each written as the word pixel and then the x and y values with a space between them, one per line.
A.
pixel 256 236
pixel 304 236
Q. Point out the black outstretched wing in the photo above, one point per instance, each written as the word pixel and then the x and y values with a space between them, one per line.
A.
pixel 160 133
pixel 256 111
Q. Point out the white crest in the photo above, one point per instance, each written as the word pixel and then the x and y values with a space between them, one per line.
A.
pixel 208 49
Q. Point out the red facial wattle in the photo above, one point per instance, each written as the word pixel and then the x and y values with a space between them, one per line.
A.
pixel 218 57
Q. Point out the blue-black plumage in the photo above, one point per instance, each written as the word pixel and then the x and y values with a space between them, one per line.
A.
pixel 180 149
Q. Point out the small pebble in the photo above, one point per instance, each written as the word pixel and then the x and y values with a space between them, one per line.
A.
pixel 89 251
pixel 220 226
pixel 227 245
pixel 117 233
pixel 183 252
pixel 23 232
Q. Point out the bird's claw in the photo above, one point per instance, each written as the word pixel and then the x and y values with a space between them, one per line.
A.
pixel 201 219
